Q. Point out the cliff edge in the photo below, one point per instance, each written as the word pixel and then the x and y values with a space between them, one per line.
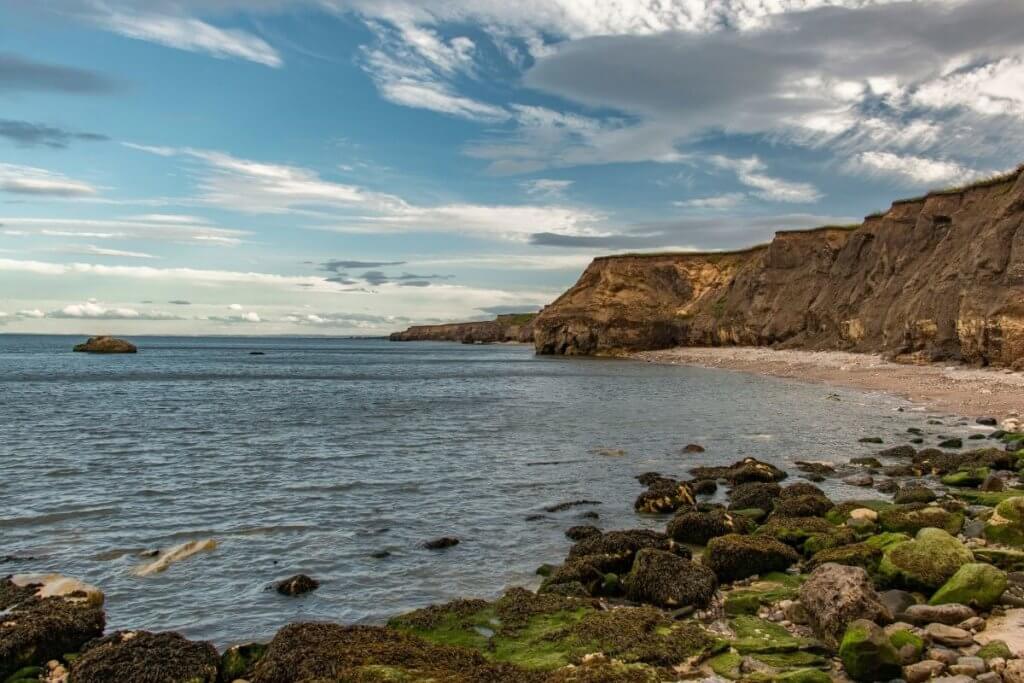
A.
pixel 514 327
pixel 936 278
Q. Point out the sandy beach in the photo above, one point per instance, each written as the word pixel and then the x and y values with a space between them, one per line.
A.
pixel 958 389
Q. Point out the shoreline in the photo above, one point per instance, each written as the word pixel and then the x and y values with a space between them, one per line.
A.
pixel 958 389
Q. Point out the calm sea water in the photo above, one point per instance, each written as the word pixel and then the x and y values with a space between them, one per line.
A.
pixel 322 452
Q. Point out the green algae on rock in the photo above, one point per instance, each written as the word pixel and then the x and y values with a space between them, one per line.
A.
pixel 1006 525
pixel 698 527
pixel 867 653
pixel 926 562
pixel 975 584
pixel 666 580
pixel 916 516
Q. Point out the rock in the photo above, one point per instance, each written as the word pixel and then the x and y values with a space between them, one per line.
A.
pixel 104 344
pixel 810 505
pixel 909 645
pixel 296 585
pixel 617 549
pixel 897 602
pixel 887 486
pixel 1006 525
pixel 989 677
pixel 693 448
pixel 870 462
pixel 143 656
pixel 987 421
pixel 870 439
pixel 666 495
pixel 700 527
pixel 994 649
pixel 867 654
pixel 914 493
pixel 942 654
pixel 970 477
pixel 864 514
pixel 816 468
pixel 666 580
pixel 976 584
pixel 835 596
pixel 734 557
pixel 569 504
pixel 863 480
pixel 800 488
pixel 59 586
pixel 797 530
pixel 912 518
pixel 1014 671
pixel 950 636
pixel 174 554
pixel 968 666
pixel 238 661
pixel 941 614
pixel 760 495
pixel 441 543
pixel 922 671
pixel 34 630
pixel 904 451
pixel 703 487
pixel 578 533
pixel 746 470
pixel 952 443
pixel 926 562
pixel 992 483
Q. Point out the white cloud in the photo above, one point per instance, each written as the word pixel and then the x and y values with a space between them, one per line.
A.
pixel 29 180
pixel 730 200
pixel 93 250
pixel 94 310
pixel 193 35
pixel 913 169
pixel 750 172
pixel 251 317
pixel 84 228
pixel 235 307
pixel 34 313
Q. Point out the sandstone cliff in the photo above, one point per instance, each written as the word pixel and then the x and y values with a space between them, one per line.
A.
pixel 505 328
pixel 939 277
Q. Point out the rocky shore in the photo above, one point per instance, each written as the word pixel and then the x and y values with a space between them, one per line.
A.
pixel 757 576
pixel 512 327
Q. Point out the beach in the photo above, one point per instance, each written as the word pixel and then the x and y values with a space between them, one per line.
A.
pixel 962 390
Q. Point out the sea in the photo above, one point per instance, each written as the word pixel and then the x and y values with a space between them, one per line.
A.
pixel 339 458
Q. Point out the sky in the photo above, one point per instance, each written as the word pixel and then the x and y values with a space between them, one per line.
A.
pixel 356 166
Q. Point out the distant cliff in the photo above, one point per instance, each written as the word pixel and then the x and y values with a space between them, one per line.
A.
pixel 939 277
pixel 517 327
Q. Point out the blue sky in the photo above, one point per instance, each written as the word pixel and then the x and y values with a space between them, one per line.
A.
pixel 352 167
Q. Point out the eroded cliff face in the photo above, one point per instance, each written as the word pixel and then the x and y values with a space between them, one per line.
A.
pixel 936 278
pixel 505 328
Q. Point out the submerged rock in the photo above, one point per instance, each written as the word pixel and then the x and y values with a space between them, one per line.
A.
pixel 144 656
pixel 734 557
pixel 104 344
pixel 621 547
pixel 296 585
pixel 665 495
pixel 666 580
pixel 441 543
pixel 835 596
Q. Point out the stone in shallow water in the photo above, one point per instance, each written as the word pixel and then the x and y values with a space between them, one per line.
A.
pixel 297 585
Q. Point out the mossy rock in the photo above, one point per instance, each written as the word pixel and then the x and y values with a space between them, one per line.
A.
pixel 762 495
pixel 697 527
pixel 968 478
pixel 886 539
pixel 795 531
pixel 854 555
pixel 663 579
pixel 976 584
pixel 817 542
pixel 746 470
pixel 987 498
pixel 809 505
pixel 994 649
pixel 867 654
pixel 736 557
pixel 841 512
pixel 726 664
pixel 544 632
pixel 1006 525
pixel 757 636
pixel 903 637
pixel 771 589
pixel 803 676
pixel 914 493
pixel 926 562
pixel 912 518
pixel 1006 559
pixel 239 661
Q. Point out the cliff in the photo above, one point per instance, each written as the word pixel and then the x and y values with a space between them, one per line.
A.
pixel 940 277
pixel 516 327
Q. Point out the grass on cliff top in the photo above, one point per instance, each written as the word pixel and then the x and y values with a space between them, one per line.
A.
pixel 981 183
pixel 517 318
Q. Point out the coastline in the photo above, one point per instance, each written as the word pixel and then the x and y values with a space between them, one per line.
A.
pixel 961 390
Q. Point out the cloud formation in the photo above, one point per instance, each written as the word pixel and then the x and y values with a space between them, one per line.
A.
pixel 29 134
pixel 28 180
pixel 20 74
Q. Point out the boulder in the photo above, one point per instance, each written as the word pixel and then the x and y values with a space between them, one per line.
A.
pixel 970 477
pixel 949 614
pixel 700 527
pixel 760 495
pixel 810 505
pixel 976 584
pixel 104 344
pixel 666 580
pixel 867 654
pixel 619 548
pixel 836 595
pixel 296 585
pixel 746 470
pixel 912 518
pixel 239 661
pixel 801 488
pixel 665 495
pixel 735 556
pixel 950 636
pixel 796 530
pixel 1006 525
pixel 144 656
pixel 578 533
pixel 441 543
pixel 914 492
pixel 926 562
pixel 34 630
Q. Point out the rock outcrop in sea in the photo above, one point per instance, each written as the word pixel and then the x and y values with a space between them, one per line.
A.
pixel 939 277
pixel 104 344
